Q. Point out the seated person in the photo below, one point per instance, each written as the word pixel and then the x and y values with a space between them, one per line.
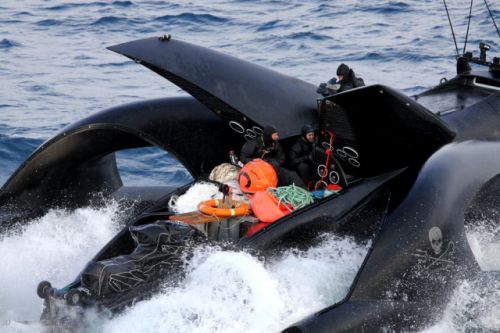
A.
pixel 302 154
pixel 267 148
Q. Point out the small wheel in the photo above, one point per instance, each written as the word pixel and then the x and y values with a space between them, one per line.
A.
pixel 342 154
pixel 320 184
pixel 237 127
pixel 354 162
pixel 43 290
pixel 250 133
pixel 258 130
pixel 334 177
pixel 322 170
pixel 326 145
pixel 350 152
pixel 73 297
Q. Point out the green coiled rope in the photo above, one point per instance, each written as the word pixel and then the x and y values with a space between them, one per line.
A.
pixel 292 195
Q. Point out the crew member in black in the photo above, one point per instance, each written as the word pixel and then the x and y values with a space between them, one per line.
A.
pixel 301 155
pixel 268 148
pixel 347 78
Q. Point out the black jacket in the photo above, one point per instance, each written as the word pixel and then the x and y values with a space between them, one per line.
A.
pixel 256 148
pixel 350 81
pixel 333 86
pixel 301 152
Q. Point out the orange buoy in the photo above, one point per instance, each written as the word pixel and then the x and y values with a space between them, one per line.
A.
pixel 257 175
pixel 266 207
pixel 218 207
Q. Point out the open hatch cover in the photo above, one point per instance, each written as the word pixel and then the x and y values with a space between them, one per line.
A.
pixel 233 88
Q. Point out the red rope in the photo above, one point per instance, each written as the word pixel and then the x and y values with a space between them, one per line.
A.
pixel 328 153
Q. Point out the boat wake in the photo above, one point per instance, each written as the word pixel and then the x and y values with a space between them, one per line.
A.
pixel 55 247
pixel 227 291
pixel 474 307
pixel 224 291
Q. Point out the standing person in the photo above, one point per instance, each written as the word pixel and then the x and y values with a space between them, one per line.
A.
pixel 301 155
pixel 347 78
pixel 267 148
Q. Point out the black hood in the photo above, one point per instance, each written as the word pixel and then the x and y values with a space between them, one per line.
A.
pixel 343 69
pixel 268 132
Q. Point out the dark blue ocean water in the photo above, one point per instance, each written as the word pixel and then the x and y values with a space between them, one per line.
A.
pixel 55 68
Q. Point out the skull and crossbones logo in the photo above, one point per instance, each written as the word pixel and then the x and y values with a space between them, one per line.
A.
pixel 440 253
pixel 436 239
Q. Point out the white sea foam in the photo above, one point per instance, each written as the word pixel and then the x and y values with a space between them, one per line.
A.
pixel 54 247
pixel 484 240
pixel 474 307
pixel 226 291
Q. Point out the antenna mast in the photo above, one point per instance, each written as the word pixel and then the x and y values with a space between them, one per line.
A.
pixel 451 26
pixel 491 15
pixel 468 25
pixel 466 57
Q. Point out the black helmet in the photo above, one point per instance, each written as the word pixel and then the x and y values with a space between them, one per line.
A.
pixel 306 129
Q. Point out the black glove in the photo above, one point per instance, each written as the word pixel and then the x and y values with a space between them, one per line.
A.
pixel 321 89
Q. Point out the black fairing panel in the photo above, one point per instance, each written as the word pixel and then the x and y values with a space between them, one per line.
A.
pixel 324 215
pixel 233 88
pixel 356 317
pixel 444 189
pixel 183 126
pixel 79 162
pixel 404 279
pixel 480 121
pixel 386 129
pixel 460 92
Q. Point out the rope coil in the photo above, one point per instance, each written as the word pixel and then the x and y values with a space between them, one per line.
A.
pixel 292 196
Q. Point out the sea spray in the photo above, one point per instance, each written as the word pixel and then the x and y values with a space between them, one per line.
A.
pixel 484 240
pixel 473 307
pixel 227 291
pixel 54 247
